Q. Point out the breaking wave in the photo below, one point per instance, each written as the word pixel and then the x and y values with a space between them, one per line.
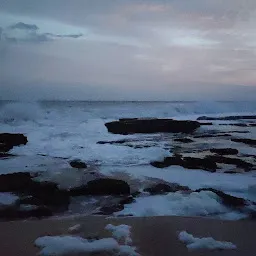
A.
pixel 32 111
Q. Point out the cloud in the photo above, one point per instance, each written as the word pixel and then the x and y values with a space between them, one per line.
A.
pixel 155 46
pixel 24 26
pixel 50 35
pixel 30 33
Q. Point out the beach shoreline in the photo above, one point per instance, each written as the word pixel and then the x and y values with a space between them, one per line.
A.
pixel 151 235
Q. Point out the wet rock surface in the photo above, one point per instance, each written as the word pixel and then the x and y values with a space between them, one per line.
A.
pixel 187 162
pixel 251 142
pixel 228 200
pixel 78 164
pixel 184 140
pixel 45 193
pixel 163 188
pixel 43 198
pixel 208 163
pixel 9 140
pixel 224 151
pixel 5 155
pixel 103 186
pixel 228 118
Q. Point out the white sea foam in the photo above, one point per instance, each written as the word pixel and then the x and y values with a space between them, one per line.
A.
pixel 120 232
pixel 64 245
pixel 195 243
pixel 74 245
pixel 74 228
pixel 71 130
pixel 7 199
pixel 202 203
pixel 236 184
pixel 20 111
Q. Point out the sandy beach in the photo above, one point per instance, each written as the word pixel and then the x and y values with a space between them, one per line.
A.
pixel 153 236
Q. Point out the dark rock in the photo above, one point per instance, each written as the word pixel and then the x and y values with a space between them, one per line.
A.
pixel 228 200
pixel 168 161
pixel 212 135
pixel 230 172
pixel 15 182
pixel 184 140
pixel 250 142
pixel 188 163
pixel 253 124
pixel 127 200
pixel 104 142
pixel 113 142
pixel 207 123
pixel 103 186
pixel 45 193
pixel 232 161
pixel 224 151
pixel 131 126
pixel 136 193
pixel 239 124
pixel 5 155
pixel 239 132
pixel 5 148
pixel 9 140
pixel 29 200
pixel 235 124
pixel 109 209
pixel 49 194
pixel 247 117
pixel 199 163
pixel 78 164
pixel 162 188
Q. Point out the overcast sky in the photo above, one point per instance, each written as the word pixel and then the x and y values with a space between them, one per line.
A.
pixel 127 49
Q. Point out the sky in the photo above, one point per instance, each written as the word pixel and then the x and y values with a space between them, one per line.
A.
pixel 128 49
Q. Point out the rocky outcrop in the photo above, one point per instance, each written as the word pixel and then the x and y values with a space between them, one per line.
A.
pixel 183 140
pixel 206 123
pixel 228 118
pixel 15 182
pixel 113 142
pixel 9 140
pixel 188 163
pixel 131 126
pixel 212 135
pixel 163 188
pixel 5 155
pixel 78 164
pixel 103 186
pixel 44 193
pixel 231 161
pixel 224 151
pixel 250 142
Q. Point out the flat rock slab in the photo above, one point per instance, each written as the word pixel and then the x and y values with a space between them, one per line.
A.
pixel 228 118
pixel 131 126
pixel 9 140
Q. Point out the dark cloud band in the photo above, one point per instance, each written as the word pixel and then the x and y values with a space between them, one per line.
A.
pixel 23 32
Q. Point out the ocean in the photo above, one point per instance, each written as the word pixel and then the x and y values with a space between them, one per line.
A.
pixel 60 131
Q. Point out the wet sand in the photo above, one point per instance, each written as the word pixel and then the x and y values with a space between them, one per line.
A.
pixel 153 236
